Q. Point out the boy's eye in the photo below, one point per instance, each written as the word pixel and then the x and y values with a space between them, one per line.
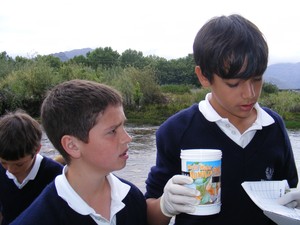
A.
pixel 257 78
pixel 233 85
pixel 113 131
pixel 19 164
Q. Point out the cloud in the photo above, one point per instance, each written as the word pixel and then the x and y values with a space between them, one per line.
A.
pixel 165 28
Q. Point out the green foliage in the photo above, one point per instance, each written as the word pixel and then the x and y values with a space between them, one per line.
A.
pixel 24 82
pixel 75 71
pixel 269 88
pixel 104 57
pixel 179 71
pixel 294 122
pixel 153 114
pixel 137 94
pixel 52 61
pixel 176 89
pixel 25 88
pixel 80 60
pixel 141 84
pixel 6 64
pixel 286 103
pixel 147 80
pixel 132 58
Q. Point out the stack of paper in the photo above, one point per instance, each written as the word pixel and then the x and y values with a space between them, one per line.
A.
pixel 265 194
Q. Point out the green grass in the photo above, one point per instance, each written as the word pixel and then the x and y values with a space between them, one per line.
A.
pixel 157 114
pixel 293 123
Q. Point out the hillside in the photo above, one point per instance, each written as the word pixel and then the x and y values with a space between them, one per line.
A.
pixel 284 75
pixel 65 56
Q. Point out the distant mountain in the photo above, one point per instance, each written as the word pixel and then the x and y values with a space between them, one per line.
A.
pixel 284 75
pixel 64 56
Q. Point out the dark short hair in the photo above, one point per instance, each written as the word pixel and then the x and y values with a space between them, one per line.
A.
pixel 72 107
pixel 230 47
pixel 20 135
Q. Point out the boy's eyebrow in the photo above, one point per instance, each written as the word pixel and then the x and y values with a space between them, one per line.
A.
pixel 117 125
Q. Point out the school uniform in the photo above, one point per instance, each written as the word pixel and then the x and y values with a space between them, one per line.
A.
pixel 15 197
pixel 59 204
pixel 263 152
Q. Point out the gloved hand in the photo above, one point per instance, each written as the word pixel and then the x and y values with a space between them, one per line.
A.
pixel 177 198
pixel 290 199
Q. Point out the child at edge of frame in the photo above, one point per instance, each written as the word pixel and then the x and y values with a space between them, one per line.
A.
pixel 24 172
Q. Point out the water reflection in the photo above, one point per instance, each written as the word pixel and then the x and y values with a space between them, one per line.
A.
pixel 142 153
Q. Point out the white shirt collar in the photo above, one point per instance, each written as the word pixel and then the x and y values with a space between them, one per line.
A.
pixel 263 118
pixel 119 190
pixel 32 174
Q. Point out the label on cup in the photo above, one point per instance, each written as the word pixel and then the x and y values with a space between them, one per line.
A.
pixel 204 167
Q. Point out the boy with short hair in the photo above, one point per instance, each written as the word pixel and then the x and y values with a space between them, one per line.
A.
pixel 85 120
pixel 231 56
pixel 24 173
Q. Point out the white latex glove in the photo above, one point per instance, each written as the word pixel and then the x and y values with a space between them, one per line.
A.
pixel 290 199
pixel 177 198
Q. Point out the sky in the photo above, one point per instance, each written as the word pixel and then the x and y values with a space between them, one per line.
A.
pixel 165 28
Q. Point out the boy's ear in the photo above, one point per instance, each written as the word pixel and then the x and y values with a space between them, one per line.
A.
pixel 39 149
pixel 202 79
pixel 70 145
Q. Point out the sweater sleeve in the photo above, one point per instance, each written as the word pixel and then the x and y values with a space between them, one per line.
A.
pixel 168 163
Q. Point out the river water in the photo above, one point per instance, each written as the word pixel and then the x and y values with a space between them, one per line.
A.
pixel 142 153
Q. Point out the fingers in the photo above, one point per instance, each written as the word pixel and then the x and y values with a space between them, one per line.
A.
pixel 176 186
pixel 289 197
pixel 177 198
pixel 292 204
pixel 185 208
pixel 184 200
pixel 181 179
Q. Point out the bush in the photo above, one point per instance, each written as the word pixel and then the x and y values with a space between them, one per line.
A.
pixel 25 88
pixel 269 88
pixel 284 103
pixel 175 89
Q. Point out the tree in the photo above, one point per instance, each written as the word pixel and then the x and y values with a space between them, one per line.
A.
pixel 137 94
pixel 51 60
pixel 269 88
pixel 147 85
pixel 132 58
pixel 25 88
pixel 104 57
pixel 6 64
pixel 80 60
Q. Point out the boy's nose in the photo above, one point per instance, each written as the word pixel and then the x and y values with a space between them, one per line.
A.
pixel 126 137
pixel 248 91
pixel 129 138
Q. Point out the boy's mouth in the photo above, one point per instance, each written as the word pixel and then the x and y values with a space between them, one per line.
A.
pixel 247 107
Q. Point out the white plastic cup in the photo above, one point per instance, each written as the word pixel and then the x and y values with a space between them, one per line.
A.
pixel 204 166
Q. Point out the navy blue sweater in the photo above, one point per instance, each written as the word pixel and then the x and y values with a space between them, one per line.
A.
pixel 14 200
pixel 51 209
pixel 267 157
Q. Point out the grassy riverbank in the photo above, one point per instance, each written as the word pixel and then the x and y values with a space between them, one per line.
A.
pixel 155 115
pixel 293 123
pixel 285 103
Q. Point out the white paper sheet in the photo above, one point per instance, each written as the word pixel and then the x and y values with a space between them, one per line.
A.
pixel 265 194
